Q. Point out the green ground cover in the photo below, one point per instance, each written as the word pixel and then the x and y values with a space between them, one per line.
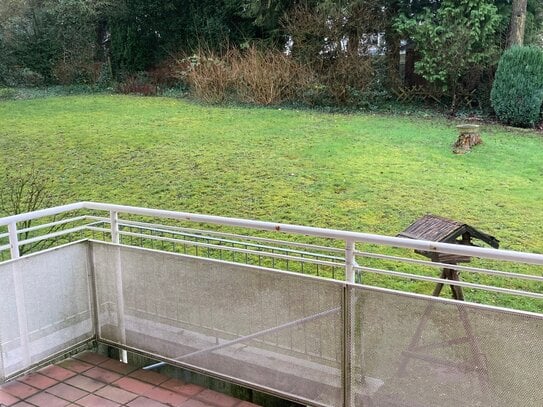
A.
pixel 370 173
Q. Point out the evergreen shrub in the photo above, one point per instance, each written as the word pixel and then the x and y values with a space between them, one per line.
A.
pixel 517 91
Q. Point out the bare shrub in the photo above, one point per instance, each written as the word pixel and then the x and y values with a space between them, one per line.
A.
pixel 347 78
pixel 208 75
pixel 337 44
pixel 69 72
pixel 162 76
pixel 263 77
pixel 268 77
pixel 26 189
pixel 138 85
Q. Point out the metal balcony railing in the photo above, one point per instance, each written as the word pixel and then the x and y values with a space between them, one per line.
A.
pixel 285 316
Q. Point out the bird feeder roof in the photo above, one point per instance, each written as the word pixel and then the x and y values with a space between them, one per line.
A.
pixel 437 229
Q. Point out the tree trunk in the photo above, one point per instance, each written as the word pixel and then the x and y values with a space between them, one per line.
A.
pixel 469 137
pixel 517 24
pixel 392 41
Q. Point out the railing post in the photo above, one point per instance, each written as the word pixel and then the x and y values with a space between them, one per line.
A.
pixel 13 241
pixel 348 323
pixel 349 261
pixel 348 328
pixel 19 295
pixel 114 223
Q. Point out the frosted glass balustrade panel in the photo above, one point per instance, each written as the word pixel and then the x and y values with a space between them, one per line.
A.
pixel 414 351
pixel 268 329
pixel 46 298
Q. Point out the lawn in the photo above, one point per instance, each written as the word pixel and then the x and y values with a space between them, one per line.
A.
pixel 370 173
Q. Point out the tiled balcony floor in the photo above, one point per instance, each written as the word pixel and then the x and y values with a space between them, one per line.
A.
pixel 92 380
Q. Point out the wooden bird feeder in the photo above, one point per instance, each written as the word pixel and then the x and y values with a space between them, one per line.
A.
pixel 438 229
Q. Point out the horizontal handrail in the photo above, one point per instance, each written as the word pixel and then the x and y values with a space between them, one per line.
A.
pixel 438 280
pixel 41 213
pixel 436 264
pixel 238 250
pixel 429 246
pixel 174 229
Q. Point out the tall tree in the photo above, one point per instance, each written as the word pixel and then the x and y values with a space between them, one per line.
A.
pixel 517 24
pixel 458 39
pixel 49 37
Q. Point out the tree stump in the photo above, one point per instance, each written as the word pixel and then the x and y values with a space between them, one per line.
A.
pixel 469 137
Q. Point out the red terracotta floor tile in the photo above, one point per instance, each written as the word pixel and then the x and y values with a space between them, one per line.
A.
pixel 195 403
pixel 95 401
pixel 47 400
pixel 91 357
pixel 145 402
pixel 102 375
pixel 7 399
pixel 57 372
pixel 18 389
pixel 189 390
pixel 117 366
pixel 85 383
pixel 38 380
pixel 217 399
pixel 133 385
pixel 173 384
pixel 149 376
pixel 116 394
pixel 66 392
pixel 166 396
pixel 77 366
pixel 69 383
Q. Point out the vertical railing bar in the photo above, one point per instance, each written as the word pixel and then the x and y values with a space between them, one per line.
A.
pixel 349 261
pixel 346 376
pixel 13 241
pixel 93 291
pixel 304 325
pixel 114 224
pixel 19 294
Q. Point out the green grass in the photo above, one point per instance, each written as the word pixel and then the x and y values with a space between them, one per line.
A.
pixel 370 173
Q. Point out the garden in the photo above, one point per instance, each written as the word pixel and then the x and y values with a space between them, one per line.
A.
pixel 331 114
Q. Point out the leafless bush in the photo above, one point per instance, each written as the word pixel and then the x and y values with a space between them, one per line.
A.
pixel 26 190
pixel 336 44
pixel 208 75
pixel 138 85
pixel 268 77
pixel 251 75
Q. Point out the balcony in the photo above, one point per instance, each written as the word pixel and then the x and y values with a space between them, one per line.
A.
pixel 292 311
